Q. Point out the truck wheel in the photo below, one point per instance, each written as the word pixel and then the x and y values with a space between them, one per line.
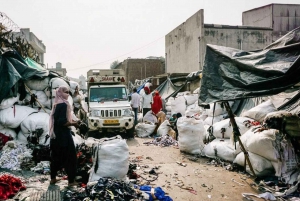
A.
pixel 130 133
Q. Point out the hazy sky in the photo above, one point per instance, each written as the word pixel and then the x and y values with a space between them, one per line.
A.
pixel 85 34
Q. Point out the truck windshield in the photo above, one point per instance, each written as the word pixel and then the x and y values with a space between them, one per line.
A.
pixel 108 94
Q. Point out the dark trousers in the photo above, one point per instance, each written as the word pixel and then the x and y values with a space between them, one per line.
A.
pixel 63 157
pixel 145 110
pixel 135 115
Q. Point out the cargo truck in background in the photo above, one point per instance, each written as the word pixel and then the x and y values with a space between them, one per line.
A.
pixel 109 110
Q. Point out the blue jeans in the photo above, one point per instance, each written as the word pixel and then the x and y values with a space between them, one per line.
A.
pixel 135 115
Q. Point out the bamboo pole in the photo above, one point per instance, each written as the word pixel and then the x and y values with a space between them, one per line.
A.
pixel 35 98
pixel 237 134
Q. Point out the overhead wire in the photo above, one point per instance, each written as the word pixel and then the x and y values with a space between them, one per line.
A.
pixel 140 48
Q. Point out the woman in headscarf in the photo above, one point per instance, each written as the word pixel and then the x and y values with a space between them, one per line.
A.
pixel 156 106
pixel 63 153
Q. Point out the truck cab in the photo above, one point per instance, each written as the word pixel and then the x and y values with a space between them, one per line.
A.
pixel 108 104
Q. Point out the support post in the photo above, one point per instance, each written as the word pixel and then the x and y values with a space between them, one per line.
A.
pixel 237 134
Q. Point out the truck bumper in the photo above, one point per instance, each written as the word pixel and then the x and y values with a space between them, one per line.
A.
pixel 96 123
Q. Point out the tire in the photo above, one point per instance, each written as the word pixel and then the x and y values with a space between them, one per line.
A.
pixel 130 132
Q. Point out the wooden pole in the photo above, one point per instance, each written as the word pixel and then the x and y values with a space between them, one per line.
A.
pixel 237 134
pixel 35 98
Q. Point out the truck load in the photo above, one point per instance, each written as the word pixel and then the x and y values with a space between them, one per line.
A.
pixel 109 110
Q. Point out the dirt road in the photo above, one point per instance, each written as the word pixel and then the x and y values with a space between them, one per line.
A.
pixel 200 180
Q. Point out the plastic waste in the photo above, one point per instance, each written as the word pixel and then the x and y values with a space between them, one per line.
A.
pixel 158 193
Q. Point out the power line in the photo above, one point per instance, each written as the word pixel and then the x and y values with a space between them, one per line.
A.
pixel 140 48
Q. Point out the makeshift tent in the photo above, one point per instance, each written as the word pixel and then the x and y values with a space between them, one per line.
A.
pixel 13 68
pixel 230 74
pixel 168 89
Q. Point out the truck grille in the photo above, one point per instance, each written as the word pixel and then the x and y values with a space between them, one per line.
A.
pixel 111 113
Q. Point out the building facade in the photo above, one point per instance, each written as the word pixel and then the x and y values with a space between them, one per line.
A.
pixel 139 69
pixel 282 18
pixel 185 46
pixel 61 71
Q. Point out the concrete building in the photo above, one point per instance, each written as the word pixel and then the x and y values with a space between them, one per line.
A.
pixel 141 68
pixel 61 71
pixel 282 18
pixel 185 46
pixel 36 43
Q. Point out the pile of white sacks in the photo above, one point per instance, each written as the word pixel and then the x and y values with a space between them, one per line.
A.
pixel 15 114
pixel 269 153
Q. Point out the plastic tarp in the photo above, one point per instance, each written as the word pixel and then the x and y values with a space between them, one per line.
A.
pixel 230 74
pixel 31 63
pixel 12 69
pixel 168 89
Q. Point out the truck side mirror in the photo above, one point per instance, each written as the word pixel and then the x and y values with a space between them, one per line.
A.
pixel 86 99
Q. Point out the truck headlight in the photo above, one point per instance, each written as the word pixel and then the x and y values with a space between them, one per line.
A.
pixel 96 113
pixel 128 112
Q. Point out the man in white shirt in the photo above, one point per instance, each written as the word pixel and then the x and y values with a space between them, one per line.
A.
pixel 146 101
pixel 135 104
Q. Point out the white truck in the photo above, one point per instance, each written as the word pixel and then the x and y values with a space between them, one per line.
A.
pixel 109 110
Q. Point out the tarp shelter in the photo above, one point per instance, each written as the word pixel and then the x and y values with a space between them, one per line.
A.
pixel 230 74
pixel 14 68
pixel 168 89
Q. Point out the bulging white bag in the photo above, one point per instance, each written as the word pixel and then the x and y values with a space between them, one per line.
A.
pixel 261 165
pixel 163 128
pixel 37 123
pixel 73 86
pixel 144 129
pixel 22 138
pixel 212 120
pixel 190 135
pixel 111 156
pixel 149 117
pixel 222 149
pixel 191 98
pixel 178 105
pixel 58 82
pixel 13 116
pixel 225 125
pixel 6 103
pixel 260 111
pixel 38 84
pixel 263 144
pixel 9 132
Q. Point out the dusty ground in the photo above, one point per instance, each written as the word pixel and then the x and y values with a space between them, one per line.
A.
pixel 199 181
pixel 206 181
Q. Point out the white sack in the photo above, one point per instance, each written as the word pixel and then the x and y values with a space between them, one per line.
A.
pixel 149 117
pixel 163 128
pixel 35 122
pixel 261 165
pixel 190 135
pixel 9 132
pixel 212 120
pixel 77 140
pixel 263 144
pixel 58 82
pixel 6 103
pixel 41 97
pixel 38 84
pixel 260 111
pixel 73 86
pixel 13 116
pixel 112 157
pixel 191 98
pixel 196 91
pixel 144 129
pixel 222 149
pixel 219 110
pixel 226 124
pixel 169 102
pixel 22 138
pixel 140 117
pixel 178 105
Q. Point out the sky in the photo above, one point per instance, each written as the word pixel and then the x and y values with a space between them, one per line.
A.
pixel 91 34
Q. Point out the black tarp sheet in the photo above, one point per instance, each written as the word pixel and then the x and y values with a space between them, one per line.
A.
pixel 231 74
pixel 13 69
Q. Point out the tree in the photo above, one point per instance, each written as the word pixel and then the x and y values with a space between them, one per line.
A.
pixel 114 64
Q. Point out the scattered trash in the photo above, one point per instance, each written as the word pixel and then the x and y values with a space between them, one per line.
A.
pixel 182 164
pixel 237 182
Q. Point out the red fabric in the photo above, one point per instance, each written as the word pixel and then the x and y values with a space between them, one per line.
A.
pixel 9 186
pixel 3 140
pixel 157 103
pixel 146 89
